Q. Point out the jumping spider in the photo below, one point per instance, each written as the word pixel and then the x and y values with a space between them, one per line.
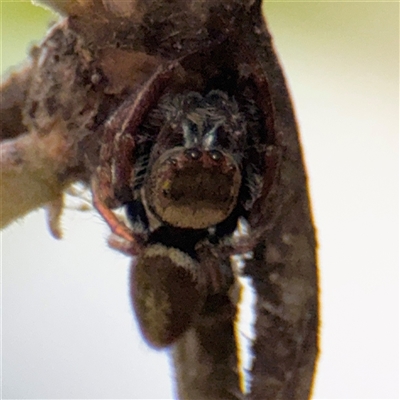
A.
pixel 186 166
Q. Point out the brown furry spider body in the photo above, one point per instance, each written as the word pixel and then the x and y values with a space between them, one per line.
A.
pixel 186 166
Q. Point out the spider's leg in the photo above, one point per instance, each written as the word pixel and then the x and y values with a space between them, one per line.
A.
pixel 114 174
pixel 261 216
pixel 117 227
pixel 263 196
pixel 111 185
pixel 119 140
pixel 215 275
pixel 122 245
pixel 136 213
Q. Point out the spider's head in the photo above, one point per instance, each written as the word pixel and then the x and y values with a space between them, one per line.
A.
pixel 195 169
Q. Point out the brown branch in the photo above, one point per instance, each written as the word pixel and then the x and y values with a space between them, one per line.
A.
pixel 28 175
pixel 13 95
pixel 284 267
pixel 29 162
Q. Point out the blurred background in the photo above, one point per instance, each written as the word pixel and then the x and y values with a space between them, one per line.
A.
pixel 67 326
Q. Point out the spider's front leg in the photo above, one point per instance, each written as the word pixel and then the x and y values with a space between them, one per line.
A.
pixel 123 238
pixel 111 183
pixel 112 173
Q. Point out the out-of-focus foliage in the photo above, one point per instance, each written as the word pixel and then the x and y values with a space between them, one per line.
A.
pixel 21 23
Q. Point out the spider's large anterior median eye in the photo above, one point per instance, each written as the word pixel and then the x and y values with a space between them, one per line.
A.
pixel 193 188
pixel 165 293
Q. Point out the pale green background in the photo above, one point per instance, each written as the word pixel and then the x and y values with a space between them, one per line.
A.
pixel 67 328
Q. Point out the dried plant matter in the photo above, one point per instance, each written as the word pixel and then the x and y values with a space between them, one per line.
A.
pixel 65 117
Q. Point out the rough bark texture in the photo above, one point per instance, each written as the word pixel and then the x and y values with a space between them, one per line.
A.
pixel 284 265
pixel 52 116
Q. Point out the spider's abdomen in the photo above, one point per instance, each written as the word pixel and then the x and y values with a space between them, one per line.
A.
pixel 165 293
